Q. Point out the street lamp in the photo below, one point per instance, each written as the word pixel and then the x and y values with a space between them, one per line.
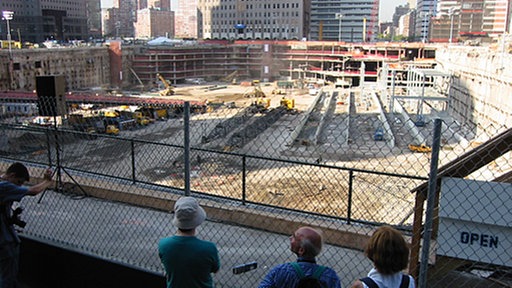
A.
pixel 451 12
pixel 7 15
pixel 339 16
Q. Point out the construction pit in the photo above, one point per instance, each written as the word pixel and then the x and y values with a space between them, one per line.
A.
pixel 331 129
pixel 294 135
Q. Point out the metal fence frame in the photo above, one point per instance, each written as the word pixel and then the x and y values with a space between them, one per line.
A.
pixel 57 157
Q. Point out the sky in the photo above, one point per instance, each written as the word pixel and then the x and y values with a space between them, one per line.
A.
pixel 387 7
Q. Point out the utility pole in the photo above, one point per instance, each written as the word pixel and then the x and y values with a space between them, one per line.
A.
pixel 451 12
pixel 339 16
pixel 8 15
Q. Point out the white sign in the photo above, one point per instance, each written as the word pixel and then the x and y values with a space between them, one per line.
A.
pixel 475 221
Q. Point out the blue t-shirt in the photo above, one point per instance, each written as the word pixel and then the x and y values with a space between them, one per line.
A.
pixel 188 261
pixel 8 194
pixel 285 276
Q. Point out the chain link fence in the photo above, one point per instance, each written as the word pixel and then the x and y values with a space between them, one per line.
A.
pixel 344 160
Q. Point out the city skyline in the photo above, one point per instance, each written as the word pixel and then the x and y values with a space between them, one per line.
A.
pixel 385 14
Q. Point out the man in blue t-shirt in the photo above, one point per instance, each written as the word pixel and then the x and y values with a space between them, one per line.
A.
pixel 11 190
pixel 187 260
pixel 306 243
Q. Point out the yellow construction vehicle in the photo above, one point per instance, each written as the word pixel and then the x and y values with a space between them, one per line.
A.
pixel 263 102
pixel 256 92
pixel 169 90
pixel 278 91
pixel 112 130
pixel 260 105
pixel 288 103
pixel 140 118
pixel 420 148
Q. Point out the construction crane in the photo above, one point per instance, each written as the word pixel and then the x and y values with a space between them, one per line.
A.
pixel 169 90
pixel 138 79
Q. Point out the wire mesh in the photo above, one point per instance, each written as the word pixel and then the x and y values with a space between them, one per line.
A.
pixel 339 160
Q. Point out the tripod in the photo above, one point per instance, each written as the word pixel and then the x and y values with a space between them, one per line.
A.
pixel 59 185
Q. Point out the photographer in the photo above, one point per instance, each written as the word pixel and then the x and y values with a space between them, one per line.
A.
pixel 11 190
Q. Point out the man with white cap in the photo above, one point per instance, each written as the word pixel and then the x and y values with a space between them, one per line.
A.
pixel 187 260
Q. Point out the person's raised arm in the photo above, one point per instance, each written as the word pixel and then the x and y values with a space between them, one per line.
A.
pixel 41 186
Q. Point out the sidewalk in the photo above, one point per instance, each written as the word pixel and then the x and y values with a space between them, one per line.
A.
pixel 130 235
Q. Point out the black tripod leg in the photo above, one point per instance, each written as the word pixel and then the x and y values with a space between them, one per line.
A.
pixel 76 183
pixel 44 192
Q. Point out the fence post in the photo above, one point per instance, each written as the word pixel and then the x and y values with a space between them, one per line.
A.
pixel 134 180
pixel 244 174
pixel 349 204
pixel 186 145
pixel 432 185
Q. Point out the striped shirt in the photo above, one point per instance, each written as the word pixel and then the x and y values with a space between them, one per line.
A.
pixel 285 276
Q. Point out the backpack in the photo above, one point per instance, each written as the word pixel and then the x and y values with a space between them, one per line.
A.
pixel 310 281
pixel 370 283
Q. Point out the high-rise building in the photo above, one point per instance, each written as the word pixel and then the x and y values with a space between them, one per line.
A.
pixel 65 20
pixel 154 19
pixel 154 23
pixel 94 18
pixel 125 18
pixel 186 19
pixel 496 17
pixel 399 11
pixel 162 5
pixel 40 20
pixel 406 24
pixel 26 23
pixel 111 22
pixel 425 10
pixel 470 19
pixel 345 20
pixel 253 19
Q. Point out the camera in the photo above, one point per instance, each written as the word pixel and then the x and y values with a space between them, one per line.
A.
pixel 15 218
pixel 245 267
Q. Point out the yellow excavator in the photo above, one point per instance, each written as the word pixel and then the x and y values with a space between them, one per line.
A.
pixel 255 93
pixel 169 90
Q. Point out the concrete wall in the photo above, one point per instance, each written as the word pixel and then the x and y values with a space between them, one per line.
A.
pixel 45 265
pixel 481 90
pixel 83 67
